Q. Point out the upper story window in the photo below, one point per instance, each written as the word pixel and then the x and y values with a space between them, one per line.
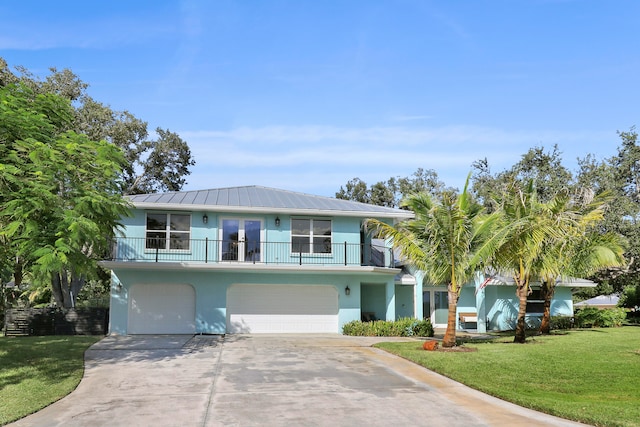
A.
pixel 168 231
pixel 311 236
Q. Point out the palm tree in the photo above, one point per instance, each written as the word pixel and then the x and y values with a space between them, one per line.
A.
pixel 545 241
pixel 582 251
pixel 527 226
pixel 441 240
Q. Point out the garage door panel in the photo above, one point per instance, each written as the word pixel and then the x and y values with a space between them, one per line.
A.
pixel 161 309
pixel 282 309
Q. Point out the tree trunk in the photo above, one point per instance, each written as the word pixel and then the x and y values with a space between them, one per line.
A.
pixel 56 289
pixel 521 327
pixel 449 339
pixel 77 282
pixel 547 290
pixel 60 290
pixel 18 273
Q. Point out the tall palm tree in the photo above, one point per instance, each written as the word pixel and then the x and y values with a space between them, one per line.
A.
pixel 582 250
pixel 527 225
pixel 442 241
pixel 545 241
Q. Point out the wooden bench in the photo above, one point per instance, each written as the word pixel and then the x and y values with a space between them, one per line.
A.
pixel 467 317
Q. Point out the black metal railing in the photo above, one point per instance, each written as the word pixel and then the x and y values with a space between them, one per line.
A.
pixel 142 249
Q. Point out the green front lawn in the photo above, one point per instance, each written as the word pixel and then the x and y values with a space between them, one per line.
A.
pixel 592 376
pixel 37 371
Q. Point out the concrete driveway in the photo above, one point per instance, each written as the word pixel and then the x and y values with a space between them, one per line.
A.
pixel 268 380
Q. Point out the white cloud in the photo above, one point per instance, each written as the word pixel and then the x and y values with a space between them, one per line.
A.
pixel 319 159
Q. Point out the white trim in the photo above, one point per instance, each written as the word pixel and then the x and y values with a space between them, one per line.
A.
pixel 268 210
pixel 246 267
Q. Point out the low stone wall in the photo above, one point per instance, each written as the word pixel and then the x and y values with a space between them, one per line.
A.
pixel 52 321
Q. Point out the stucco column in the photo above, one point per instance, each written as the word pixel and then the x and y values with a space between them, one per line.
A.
pixel 417 296
pixel 480 304
pixel 390 294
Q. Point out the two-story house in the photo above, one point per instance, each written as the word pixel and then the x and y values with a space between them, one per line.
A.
pixel 259 260
pixel 253 259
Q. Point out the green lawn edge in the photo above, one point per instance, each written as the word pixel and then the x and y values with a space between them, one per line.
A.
pixel 37 371
pixel 591 376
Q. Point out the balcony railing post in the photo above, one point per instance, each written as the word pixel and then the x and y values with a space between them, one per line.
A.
pixel 300 257
pixel 345 253
pixel 157 250
pixel 206 250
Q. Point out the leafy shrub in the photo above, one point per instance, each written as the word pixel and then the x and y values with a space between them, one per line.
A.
pixel 423 328
pixel 630 297
pixel 612 317
pixel 590 317
pixel 561 322
pixel 405 327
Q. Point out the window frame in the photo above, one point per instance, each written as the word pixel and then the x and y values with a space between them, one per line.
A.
pixel 311 237
pixel 241 242
pixel 535 302
pixel 168 233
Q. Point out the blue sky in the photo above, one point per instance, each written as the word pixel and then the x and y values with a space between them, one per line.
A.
pixel 305 95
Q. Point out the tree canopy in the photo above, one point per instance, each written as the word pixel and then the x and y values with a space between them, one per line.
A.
pixel 60 198
pixel 66 160
pixel 391 192
pixel 152 164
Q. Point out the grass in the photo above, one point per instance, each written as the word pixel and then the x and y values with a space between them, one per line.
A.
pixel 37 371
pixel 592 376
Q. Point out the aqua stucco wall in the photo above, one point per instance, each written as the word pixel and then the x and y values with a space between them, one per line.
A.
pixel 502 307
pixel 211 292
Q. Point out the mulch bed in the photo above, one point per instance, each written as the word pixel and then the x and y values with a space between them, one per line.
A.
pixel 457 349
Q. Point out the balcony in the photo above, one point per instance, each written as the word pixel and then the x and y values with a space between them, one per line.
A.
pixel 131 249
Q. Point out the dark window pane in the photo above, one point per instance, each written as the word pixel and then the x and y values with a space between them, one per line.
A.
pixel 229 251
pixel 321 227
pixel 300 226
pixel 180 222
pixel 156 221
pixel 156 240
pixel 321 245
pixel 179 241
pixel 535 307
pixel 300 244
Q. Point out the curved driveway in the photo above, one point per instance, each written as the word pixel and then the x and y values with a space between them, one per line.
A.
pixel 268 380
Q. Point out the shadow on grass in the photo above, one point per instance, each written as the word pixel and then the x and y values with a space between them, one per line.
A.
pixel 48 359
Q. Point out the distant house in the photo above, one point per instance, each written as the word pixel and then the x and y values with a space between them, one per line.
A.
pixel 601 302
pixel 259 260
pixel 496 304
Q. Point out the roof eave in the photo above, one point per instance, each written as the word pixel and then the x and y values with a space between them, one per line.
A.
pixel 263 210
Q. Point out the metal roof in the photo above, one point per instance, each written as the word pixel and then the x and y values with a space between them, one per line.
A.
pixel 600 300
pixel 571 282
pixel 262 199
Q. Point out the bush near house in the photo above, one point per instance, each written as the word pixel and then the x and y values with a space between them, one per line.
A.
pixel 561 322
pixel 405 327
pixel 592 317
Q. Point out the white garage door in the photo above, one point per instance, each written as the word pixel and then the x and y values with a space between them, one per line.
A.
pixel 282 309
pixel 162 309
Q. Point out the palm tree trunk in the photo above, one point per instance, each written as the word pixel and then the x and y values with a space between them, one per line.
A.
pixel 521 292
pixel 449 339
pixel 547 290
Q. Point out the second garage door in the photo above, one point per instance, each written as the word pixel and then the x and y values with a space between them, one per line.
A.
pixel 282 309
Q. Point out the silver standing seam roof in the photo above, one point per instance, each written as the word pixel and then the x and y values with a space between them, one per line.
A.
pixel 262 199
